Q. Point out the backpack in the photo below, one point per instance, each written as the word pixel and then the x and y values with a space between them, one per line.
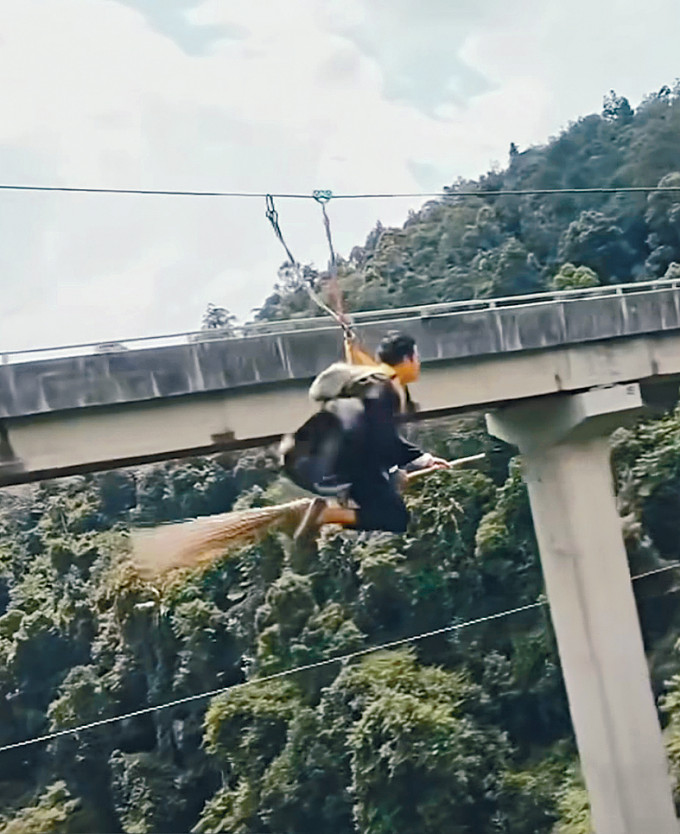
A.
pixel 310 457
pixel 342 380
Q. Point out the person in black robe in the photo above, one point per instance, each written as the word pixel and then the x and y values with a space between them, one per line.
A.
pixel 368 448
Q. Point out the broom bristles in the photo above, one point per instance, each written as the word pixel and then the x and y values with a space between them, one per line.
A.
pixel 188 544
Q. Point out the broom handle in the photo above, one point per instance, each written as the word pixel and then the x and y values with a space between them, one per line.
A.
pixel 459 463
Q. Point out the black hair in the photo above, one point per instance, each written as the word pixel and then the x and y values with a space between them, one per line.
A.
pixel 396 347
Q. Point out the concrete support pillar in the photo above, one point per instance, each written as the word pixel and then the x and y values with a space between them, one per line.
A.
pixel 566 460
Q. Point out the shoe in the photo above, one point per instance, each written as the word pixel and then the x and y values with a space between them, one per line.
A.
pixel 310 521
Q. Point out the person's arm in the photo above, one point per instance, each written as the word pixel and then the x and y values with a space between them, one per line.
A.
pixel 381 405
pixel 428 461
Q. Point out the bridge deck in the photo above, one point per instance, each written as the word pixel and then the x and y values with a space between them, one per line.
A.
pixel 82 413
pixel 202 364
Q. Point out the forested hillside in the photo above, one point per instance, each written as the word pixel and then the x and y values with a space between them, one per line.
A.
pixel 469 247
pixel 466 731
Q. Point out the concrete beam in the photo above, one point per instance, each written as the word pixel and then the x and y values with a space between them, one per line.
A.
pixel 92 438
pixel 209 365
pixel 86 440
pixel 565 457
pixel 540 423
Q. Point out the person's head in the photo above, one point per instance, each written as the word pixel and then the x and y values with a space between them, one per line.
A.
pixel 400 351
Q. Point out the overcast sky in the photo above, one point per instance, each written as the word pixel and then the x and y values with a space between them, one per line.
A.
pixel 273 96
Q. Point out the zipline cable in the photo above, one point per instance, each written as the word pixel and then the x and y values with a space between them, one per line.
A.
pixel 266 678
pixel 306 667
pixel 447 194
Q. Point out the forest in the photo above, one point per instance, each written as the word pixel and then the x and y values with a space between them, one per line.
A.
pixel 465 731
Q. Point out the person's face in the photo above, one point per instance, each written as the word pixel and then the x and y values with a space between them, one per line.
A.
pixel 411 368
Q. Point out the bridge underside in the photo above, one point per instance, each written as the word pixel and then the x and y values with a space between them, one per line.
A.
pixel 92 439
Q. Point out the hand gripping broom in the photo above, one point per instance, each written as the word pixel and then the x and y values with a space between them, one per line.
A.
pixel 188 544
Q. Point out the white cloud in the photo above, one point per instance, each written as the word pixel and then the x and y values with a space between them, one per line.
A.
pixel 572 53
pixel 282 95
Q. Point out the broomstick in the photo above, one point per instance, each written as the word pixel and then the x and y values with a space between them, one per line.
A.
pixel 458 463
pixel 189 544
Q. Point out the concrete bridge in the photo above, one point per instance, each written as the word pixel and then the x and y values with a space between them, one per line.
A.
pixel 88 407
pixel 557 373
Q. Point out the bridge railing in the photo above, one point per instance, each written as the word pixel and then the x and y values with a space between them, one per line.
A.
pixel 264 328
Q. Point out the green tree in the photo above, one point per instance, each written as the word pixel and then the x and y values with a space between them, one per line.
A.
pixel 420 760
pixel 56 811
pixel 596 241
pixel 219 318
pixel 570 277
pixel 617 109
pixel 663 220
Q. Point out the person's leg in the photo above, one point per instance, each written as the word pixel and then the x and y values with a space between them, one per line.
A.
pixel 332 514
pixel 320 512
pixel 381 506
